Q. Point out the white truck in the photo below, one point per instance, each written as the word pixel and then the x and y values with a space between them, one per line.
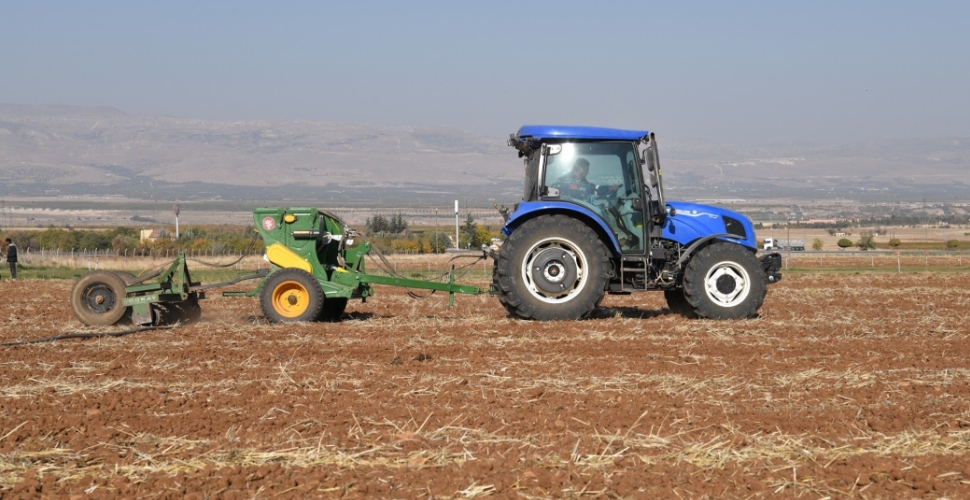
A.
pixel 776 244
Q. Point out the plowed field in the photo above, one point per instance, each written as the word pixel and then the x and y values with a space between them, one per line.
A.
pixel 848 385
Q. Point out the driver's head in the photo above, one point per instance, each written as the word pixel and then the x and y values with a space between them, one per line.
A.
pixel 581 167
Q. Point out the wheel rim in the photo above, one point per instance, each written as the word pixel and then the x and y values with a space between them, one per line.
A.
pixel 554 270
pixel 290 299
pixel 99 298
pixel 727 284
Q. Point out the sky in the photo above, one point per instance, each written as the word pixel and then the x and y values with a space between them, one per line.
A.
pixel 746 73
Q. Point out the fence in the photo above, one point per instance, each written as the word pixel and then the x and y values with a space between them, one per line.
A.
pixel 45 253
pixel 900 261
pixel 127 260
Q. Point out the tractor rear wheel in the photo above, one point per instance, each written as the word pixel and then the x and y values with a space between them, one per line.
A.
pixel 551 268
pixel 333 309
pixel 677 303
pixel 97 298
pixel 725 281
pixel 291 295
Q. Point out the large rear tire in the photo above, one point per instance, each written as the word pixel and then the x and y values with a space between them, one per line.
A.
pixel 677 303
pixel 725 281
pixel 291 295
pixel 97 298
pixel 552 268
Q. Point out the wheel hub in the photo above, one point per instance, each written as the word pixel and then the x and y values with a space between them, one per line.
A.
pixel 290 299
pixel 727 284
pixel 554 270
pixel 100 299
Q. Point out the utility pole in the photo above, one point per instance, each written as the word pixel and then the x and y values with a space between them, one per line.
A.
pixel 436 230
pixel 456 226
pixel 176 221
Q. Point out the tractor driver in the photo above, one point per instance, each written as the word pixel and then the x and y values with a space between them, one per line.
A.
pixel 575 181
pixel 577 186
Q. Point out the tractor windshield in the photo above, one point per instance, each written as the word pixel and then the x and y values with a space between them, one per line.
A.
pixel 603 177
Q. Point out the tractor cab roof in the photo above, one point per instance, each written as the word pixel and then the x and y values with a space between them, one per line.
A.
pixel 547 132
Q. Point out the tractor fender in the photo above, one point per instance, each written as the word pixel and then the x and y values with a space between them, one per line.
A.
pixel 532 209
pixel 688 252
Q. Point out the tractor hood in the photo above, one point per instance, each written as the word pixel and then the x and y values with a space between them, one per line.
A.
pixel 691 221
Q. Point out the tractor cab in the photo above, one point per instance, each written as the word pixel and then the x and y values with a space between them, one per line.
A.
pixel 611 174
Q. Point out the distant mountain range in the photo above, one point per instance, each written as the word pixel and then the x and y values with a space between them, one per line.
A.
pixel 59 150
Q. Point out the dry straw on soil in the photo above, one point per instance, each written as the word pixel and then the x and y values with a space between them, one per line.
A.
pixel 848 385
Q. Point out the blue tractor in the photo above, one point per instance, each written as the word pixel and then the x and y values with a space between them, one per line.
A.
pixel 593 220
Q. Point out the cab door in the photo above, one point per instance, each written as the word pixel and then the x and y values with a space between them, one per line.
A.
pixel 612 188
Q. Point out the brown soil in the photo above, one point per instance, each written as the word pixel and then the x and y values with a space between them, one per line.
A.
pixel 848 385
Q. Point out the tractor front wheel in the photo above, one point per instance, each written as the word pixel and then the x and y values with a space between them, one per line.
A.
pixel 98 297
pixel 291 295
pixel 550 268
pixel 725 281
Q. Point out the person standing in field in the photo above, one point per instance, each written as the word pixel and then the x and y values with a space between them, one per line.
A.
pixel 12 258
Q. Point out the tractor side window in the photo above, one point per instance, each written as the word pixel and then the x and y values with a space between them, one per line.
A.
pixel 602 177
pixel 606 170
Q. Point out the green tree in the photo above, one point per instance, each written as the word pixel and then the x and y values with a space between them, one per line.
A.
pixel 377 224
pixel 121 243
pixel 123 231
pixel 952 244
pixel 23 239
pixel 867 240
pixel 57 239
pixel 468 231
pixel 436 242
pixel 894 242
pixel 817 244
pixel 397 224
pixel 93 240
pixel 482 237
pixel 844 243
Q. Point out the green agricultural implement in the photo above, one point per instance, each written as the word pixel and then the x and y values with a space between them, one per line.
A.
pixel 316 267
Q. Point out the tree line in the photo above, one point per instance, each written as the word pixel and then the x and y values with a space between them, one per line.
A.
pixel 392 234
pixel 215 239
pixel 389 234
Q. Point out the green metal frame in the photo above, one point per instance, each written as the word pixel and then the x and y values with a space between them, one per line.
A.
pixel 336 262
pixel 173 284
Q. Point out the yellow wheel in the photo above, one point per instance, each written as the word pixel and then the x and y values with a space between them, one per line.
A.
pixel 291 295
pixel 290 299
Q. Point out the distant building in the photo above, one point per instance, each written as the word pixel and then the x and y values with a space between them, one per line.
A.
pixel 153 234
